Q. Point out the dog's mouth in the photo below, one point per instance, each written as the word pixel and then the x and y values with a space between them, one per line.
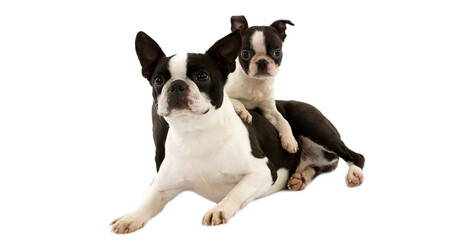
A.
pixel 181 109
pixel 262 75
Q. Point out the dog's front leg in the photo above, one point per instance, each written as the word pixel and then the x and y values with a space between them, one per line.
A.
pixel 153 203
pixel 251 186
pixel 241 110
pixel 284 129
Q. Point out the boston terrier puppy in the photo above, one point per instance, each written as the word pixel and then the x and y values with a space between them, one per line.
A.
pixel 251 86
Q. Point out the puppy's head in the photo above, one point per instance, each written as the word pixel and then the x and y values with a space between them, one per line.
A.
pixel 188 84
pixel 261 52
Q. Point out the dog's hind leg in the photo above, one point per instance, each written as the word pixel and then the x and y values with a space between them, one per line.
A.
pixel 314 160
pixel 309 122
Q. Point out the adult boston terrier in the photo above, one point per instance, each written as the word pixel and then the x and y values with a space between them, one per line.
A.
pixel 206 147
pixel 251 86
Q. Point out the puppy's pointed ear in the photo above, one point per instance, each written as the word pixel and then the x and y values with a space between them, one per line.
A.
pixel 239 23
pixel 280 27
pixel 148 52
pixel 225 51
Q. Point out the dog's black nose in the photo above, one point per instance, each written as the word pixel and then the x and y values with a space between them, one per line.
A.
pixel 178 86
pixel 262 65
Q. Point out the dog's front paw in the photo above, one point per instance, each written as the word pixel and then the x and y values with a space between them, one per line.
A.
pixel 217 215
pixel 355 176
pixel 129 223
pixel 244 115
pixel 289 143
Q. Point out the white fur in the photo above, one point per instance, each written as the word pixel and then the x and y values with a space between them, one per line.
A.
pixel 177 66
pixel 280 182
pixel 258 42
pixel 355 175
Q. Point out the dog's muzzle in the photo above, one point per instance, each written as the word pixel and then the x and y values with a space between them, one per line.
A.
pixel 178 95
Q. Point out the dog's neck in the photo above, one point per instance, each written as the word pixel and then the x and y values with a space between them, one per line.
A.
pixel 243 87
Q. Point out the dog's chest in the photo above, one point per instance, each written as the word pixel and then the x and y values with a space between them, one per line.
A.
pixel 251 92
pixel 210 164
pixel 212 176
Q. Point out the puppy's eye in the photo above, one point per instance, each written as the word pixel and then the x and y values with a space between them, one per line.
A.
pixel 202 76
pixel 277 53
pixel 245 54
pixel 158 80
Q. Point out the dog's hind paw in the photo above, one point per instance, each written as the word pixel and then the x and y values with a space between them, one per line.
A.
pixel 355 176
pixel 300 180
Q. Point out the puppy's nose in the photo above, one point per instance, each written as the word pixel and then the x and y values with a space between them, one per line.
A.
pixel 178 86
pixel 262 65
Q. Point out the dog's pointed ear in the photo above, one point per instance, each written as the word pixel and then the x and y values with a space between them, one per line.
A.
pixel 225 51
pixel 239 23
pixel 148 52
pixel 280 27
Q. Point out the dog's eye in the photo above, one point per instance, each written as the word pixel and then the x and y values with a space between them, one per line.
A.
pixel 277 53
pixel 245 54
pixel 202 76
pixel 158 80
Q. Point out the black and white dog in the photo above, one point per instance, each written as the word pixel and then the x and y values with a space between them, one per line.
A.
pixel 203 146
pixel 251 85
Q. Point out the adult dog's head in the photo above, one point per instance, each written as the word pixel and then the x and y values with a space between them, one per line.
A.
pixel 188 84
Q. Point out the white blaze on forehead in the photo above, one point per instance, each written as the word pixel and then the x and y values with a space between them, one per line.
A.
pixel 258 42
pixel 177 66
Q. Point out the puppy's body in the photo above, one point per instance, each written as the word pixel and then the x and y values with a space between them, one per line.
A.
pixel 252 84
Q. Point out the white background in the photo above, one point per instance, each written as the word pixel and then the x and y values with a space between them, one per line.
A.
pixel 76 146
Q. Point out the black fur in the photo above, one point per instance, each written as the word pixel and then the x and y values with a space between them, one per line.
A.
pixel 309 122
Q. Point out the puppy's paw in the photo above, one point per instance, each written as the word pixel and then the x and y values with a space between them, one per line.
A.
pixel 298 181
pixel 289 143
pixel 244 115
pixel 217 215
pixel 129 223
pixel 355 176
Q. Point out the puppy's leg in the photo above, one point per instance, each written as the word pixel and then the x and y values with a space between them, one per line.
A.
pixel 154 202
pixel 241 110
pixel 252 186
pixel 284 129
